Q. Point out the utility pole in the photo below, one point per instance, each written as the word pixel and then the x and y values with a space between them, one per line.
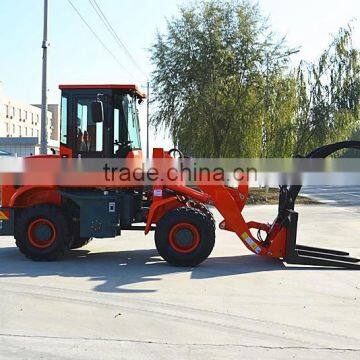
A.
pixel 45 44
pixel 147 120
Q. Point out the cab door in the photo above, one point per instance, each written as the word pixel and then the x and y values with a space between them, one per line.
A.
pixel 90 134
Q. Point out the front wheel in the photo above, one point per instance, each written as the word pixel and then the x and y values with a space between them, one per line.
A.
pixel 185 237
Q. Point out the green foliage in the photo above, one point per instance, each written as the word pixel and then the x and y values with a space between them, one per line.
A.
pixel 329 95
pixel 224 88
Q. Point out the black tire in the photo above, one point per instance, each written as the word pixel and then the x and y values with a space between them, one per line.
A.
pixel 203 208
pixel 48 222
pixel 79 242
pixel 187 217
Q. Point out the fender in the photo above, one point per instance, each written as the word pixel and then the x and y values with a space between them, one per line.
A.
pixel 159 208
pixel 28 196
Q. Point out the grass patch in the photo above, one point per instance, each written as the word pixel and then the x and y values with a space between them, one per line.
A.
pixel 259 196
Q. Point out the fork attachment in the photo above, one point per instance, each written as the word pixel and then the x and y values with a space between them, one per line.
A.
pixel 307 255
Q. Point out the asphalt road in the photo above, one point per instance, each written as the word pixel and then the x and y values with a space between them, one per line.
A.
pixel 345 196
pixel 116 299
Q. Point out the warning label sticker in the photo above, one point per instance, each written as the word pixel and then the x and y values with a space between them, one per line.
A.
pixel 158 192
pixel 251 243
pixel 4 215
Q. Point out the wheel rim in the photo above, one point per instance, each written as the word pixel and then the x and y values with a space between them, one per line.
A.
pixel 184 238
pixel 41 233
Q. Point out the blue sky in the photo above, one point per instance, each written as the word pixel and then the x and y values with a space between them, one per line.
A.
pixel 76 56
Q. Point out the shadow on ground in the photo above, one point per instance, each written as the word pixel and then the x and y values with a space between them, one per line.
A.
pixel 118 269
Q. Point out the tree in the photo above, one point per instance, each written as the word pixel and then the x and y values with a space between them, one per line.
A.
pixel 224 86
pixel 329 95
pixel 212 69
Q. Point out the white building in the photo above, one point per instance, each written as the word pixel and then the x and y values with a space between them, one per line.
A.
pixel 21 120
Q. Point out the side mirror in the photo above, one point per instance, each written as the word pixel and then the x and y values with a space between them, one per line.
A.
pixel 97 111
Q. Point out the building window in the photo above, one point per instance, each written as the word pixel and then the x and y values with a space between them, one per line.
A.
pixel 19 128
pixel 32 118
pixel 13 129
pixel 7 129
pixel 7 110
pixel 37 119
pixel 26 114
pixel 26 131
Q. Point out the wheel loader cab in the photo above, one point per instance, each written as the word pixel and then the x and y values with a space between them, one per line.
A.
pixel 100 121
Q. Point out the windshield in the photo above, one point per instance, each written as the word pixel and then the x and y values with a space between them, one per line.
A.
pixel 126 122
pixel 132 120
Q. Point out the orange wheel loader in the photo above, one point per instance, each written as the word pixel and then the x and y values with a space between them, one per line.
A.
pixel 101 121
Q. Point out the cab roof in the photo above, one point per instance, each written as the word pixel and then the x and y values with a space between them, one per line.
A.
pixel 128 87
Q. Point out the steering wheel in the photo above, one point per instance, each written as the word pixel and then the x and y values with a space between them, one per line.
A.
pixel 123 143
pixel 124 148
pixel 174 151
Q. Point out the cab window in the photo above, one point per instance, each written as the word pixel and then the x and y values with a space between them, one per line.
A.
pixel 126 124
pixel 132 120
pixel 64 120
pixel 89 134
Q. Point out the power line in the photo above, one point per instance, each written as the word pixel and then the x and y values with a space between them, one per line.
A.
pixel 97 37
pixel 112 31
pixel 109 27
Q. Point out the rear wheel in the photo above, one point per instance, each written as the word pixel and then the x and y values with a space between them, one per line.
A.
pixel 185 237
pixel 42 233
